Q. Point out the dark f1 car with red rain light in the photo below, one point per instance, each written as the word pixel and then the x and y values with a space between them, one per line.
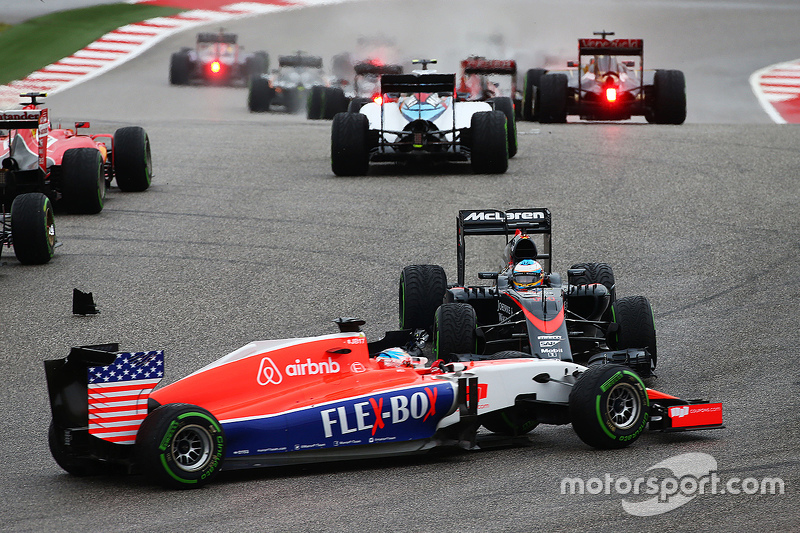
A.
pixel 527 310
pixel 367 82
pixel 216 59
pixel 40 166
pixel 606 88
pixel 419 118
pixel 327 398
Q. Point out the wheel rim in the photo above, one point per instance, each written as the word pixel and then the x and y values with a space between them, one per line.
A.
pixel 191 448
pixel 50 227
pixel 623 405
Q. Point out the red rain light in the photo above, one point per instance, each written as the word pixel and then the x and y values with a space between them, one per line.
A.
pixel 611 94
pixel 378 100
pixel 215 67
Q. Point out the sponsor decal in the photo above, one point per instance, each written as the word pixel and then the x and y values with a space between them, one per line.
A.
pixel 503 308
pixel 375 413
pixel 548 341
pixel 357 367
pixel 26 114
pixel 270 374
pixel 499 216
pixel 706 414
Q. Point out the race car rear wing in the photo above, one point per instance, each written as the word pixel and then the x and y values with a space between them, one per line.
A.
pixel 418 83
pixel 365 68
pixel 480 65
pixel 29 119
pixel 610 47
pixel 495 222
pixel 300 60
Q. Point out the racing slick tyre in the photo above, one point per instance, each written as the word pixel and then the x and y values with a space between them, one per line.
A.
pixel 357 103
pixel 454 331
pixel 506 106
pixel 335 102
pixel 636 328
pixel 489 142
pixel 597 273
pixel 33 229
pixel 77 466
pixel 316 103
pixel 422 289
pixel 259 94
pixel 133 162
pixel 609 406
pixel 349 144
pixel 669 95
pixel 293 100
pixel 180 446
pixel 179 67
pixel 553 98
pixel 83 188
pixel 530 108
pixel 257 64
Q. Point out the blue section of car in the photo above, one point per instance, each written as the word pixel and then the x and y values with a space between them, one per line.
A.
pixel 398 415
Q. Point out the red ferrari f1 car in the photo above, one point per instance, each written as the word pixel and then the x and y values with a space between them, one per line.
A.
pixel 326 398
pixel 40 165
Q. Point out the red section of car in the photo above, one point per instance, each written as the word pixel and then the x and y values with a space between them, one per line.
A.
pixel 695 415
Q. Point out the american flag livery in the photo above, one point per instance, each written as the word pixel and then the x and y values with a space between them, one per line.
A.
pixel 118 394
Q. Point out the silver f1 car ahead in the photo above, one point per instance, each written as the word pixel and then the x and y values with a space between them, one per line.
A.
pixel 606 88
pixel 216 59
pixel 327 398
pixel 582 319
pixel 419 118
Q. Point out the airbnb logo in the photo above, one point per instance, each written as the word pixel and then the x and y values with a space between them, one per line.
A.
pixel 268 372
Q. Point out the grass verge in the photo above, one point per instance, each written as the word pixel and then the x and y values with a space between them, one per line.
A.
pixel 35 43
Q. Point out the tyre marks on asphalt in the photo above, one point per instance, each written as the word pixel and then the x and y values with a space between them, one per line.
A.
pixel 777 88
pixel 127 42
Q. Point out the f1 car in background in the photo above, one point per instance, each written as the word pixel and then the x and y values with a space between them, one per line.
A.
pixel 324 101
pixel 479 82
pixel 419 118
pixel 40 166
pixel 605 88
pixel 216 59
pixel 367 82
pixel 544 318
pixel 287 89
pixel 327 398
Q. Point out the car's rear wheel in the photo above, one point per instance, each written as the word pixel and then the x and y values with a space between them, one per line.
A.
pixel 33 229
pixel 180 446
pixel 133 162
pixel 349 144
pixel 489 150
pixel 530 107
pixel 259 94
pixel 553 98
pixel 83 187
pixel 669 92
pixel 335 102
pixel 422 289
pixel 635 325
pixel 505 105
pixel 316 102
pixel 357 103
pixel 454 331
pixel 608 406
pixel 179 67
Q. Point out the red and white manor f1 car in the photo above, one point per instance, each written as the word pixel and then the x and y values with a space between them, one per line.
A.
pixel 40 165
pixel 333 397
pixel 606 88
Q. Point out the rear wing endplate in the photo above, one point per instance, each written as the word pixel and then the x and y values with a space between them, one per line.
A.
pixel 24 119
pixel 418 83
pixel 535 220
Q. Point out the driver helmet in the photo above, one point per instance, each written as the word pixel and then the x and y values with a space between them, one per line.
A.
pixel 394 357
pixel 527 274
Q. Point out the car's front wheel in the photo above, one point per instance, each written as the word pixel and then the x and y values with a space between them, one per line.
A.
pixel 454 331
pixel 33 228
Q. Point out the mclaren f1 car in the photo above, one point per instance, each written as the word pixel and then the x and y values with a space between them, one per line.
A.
pixel 419 117
pixel 327 398
pixel 544 318
pixel 606 87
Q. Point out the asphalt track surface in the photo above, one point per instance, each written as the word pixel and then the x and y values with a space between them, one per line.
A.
pixel 245 234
